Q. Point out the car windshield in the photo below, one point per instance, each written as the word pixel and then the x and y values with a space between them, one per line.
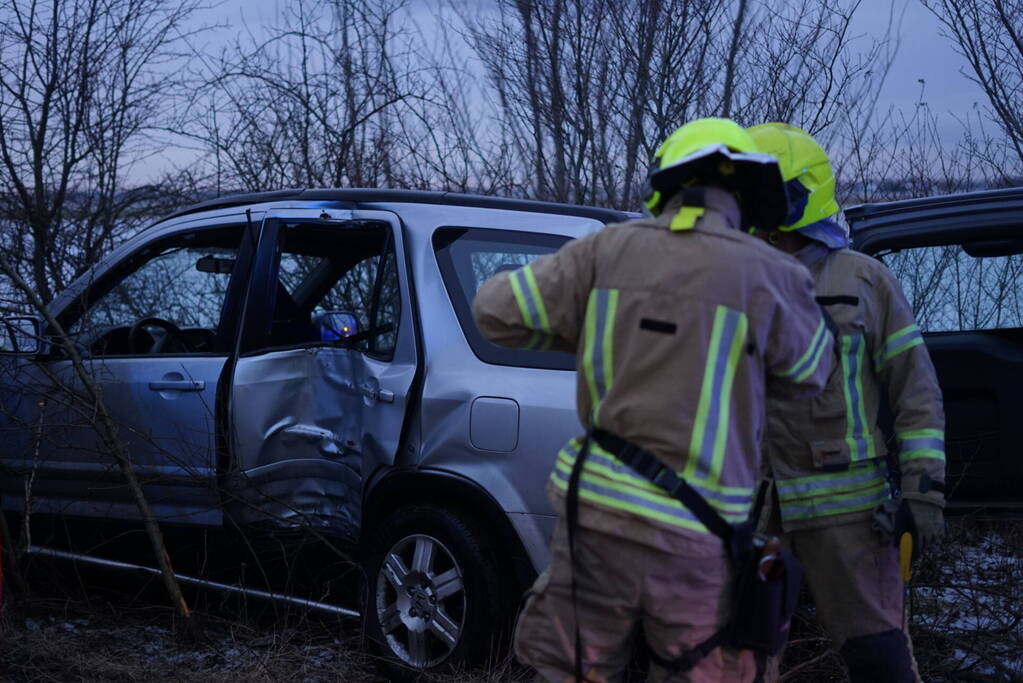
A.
pixel 468 257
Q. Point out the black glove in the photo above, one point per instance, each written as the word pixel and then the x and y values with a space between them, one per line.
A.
pixel 930 522
pixel 924 520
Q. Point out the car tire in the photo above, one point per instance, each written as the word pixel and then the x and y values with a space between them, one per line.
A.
pixel 432 600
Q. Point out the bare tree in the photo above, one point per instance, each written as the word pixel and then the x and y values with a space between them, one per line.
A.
pixel 730 63
pixel 587 88
pixel 799 63
pixel 81 82
pixel 989 35
pixel 307 103
pixel 447 140
pixel 579 85
pixel 900 155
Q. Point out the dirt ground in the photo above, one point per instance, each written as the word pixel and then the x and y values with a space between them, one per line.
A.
pixel 967 626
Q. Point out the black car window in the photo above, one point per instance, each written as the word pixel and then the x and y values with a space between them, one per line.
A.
pixel 952 291
pixel 468 257
pixel 324 270
pixel 182 280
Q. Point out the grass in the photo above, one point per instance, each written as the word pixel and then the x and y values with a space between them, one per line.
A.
pixel 50 640
pixel 967 626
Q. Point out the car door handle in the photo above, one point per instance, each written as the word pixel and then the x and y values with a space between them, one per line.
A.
pixel 178 385
pixel 374 394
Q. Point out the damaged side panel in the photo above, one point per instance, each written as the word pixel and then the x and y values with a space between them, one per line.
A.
pixel 311 422
pixel 297 443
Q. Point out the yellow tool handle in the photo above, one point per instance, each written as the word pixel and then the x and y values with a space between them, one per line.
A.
pixel 906 556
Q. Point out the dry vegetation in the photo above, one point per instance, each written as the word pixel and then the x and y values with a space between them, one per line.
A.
pixel 967 610
pixel 51 640
pixel 967 626
pixel 48 640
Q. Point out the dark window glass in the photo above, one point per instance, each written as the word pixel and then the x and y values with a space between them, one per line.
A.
pixel 468 257
pixel 952 291
pixel 332 270
pixel 182 280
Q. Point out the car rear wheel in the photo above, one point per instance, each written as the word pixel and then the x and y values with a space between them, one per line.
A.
pixel 433 596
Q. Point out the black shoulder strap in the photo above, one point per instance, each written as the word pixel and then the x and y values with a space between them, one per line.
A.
pixel 572 521
pixel 646 464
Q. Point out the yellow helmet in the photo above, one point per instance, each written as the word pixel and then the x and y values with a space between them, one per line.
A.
pixel 718 151
pixel 809 180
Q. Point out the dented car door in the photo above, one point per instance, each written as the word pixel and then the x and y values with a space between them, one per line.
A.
pixel 325 364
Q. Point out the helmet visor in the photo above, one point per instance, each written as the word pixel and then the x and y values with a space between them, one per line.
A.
pixel 828 232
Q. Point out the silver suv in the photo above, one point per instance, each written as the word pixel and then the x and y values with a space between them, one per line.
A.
pixel 307 360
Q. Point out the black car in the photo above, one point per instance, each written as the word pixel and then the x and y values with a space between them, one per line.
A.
pixel 960 261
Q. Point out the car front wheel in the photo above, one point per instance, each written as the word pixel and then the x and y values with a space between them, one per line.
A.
pixel 432 600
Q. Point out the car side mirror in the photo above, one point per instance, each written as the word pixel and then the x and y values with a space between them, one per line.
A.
pixel 21 336
pixel 335 325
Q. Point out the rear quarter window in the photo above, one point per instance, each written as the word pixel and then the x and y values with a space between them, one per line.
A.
pixel 952 291
pixel 468 257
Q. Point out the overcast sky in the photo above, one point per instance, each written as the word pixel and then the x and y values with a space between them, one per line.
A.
pixel 923 53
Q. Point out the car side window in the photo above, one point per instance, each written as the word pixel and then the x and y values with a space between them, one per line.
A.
pixel 953 291
pixel 165 299
pixel 468 257
pixel 327 275
pixel 485 264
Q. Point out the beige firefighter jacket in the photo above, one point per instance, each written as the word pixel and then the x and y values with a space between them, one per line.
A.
pixel 827 454
pixel 676 332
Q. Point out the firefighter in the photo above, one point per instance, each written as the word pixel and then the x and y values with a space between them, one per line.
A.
pixel 834 488
pixel 677 321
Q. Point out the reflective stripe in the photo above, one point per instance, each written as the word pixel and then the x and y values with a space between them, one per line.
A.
pixel 608 481
pixel 815 362
pixel 868 474
pixel 922 434
pixel 531 306
pixel 921 443
pixel 903 340
pixel 805 366
pixel 536 299
pixel 713 412
pixel 836 504
pixel 597 490
pixel 598 347
pixel 724 498
pixel 857 435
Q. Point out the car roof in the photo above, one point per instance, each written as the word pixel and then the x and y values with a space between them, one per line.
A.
pixel 907 209
pixel 955 215
pixel 355 196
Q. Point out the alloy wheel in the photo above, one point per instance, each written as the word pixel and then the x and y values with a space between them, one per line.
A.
pixel 420 601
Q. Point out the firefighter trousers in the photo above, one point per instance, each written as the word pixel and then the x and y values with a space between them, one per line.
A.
pixel 854 580
pixel 624 588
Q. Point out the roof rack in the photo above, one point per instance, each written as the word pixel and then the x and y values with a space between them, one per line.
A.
pixel 356 196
